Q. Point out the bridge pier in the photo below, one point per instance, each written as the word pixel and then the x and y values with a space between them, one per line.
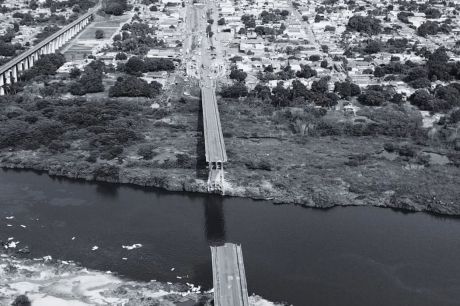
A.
pixel 10 72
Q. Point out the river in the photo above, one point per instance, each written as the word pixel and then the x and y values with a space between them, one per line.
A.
pixel 341 256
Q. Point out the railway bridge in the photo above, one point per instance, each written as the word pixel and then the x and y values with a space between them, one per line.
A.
pixel 10 72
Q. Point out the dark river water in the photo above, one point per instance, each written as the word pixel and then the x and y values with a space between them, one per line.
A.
pixel 343 256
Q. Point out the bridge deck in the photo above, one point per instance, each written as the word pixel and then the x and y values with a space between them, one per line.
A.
pixel 229 278
pixel 213 138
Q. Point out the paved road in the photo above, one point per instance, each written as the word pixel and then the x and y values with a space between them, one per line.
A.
pixel 202 66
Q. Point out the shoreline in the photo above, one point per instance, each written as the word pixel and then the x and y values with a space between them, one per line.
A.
pixel 182 180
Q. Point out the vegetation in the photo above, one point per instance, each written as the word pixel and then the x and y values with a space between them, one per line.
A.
pixel 366 25
pixel 137 66
pixel 46 65
pixel 103 128
pixel 131 86
pixel 99 34
pixel 115 7
pixel 90 80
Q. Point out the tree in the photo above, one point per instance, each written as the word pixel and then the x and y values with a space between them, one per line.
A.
pixel 131 86
pixel 373 46
pixel 21 300
pixel 46 65
pixel 74 73
pixel 33 5
pixel 280 95
pixel 425 101
pixel 432 13
pixel 372 98
pixel 221 21
pixel 298 89
pixel 115 7
pixel 346 89
pixel 158 64
pixel 121 56
pixel 6 49
pixel 91 81
pixel 368 25
pixel 99 34
pixel 76 89
pixel 238 75
pixel 135 66
pixel 428 28
pixel 249 21
pixel 306 72
pixel 262 92
pixel 321 86
pixel 236 90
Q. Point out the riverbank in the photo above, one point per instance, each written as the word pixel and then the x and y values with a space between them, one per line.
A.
pixel 305 178
pixel 147 144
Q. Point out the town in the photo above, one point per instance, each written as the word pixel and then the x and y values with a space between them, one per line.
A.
pixel 316 103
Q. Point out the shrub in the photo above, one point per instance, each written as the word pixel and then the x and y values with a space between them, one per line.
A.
pixel 107 172
pixel 146 151
pixel 99 34
pixel 21 300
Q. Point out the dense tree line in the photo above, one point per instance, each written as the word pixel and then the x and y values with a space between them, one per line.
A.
pixel 432 28
pixel 437 67
pixel 364 24
pixel 281 96
pixel 131 86
pixel 76 5
pixel 137 66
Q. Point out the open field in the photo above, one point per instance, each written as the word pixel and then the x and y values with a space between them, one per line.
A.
pixel 86 43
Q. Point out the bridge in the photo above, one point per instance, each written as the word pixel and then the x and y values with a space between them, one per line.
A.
pixel 10 71
pixel 216 154
pixel 213 138
pixel 229 278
